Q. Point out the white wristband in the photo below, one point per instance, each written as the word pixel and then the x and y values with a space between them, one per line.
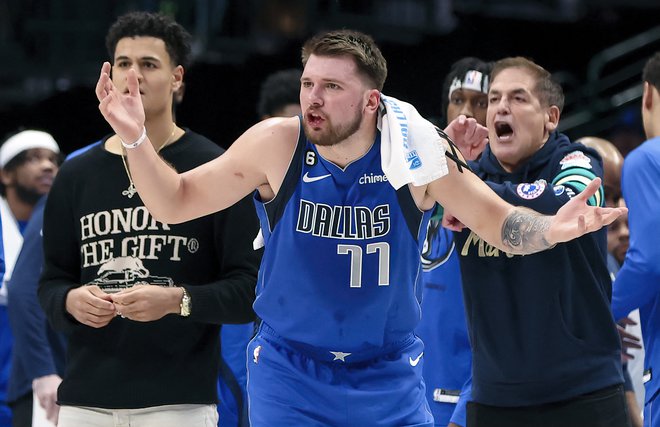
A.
pixel 139 141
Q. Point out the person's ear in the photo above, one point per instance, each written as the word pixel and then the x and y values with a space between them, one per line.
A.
pixel 373 100
pixel 177 78
pixel 647 97
pixel 6 177
pixel 552 118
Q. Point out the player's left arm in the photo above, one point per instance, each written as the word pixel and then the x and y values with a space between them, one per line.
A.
pixel 516 230
pixel 571 176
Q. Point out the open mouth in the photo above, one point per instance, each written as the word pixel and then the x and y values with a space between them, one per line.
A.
pixel 46 180
pixel 314 120
pixel 503 130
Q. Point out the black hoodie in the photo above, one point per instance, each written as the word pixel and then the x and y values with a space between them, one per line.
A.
pixel 540 325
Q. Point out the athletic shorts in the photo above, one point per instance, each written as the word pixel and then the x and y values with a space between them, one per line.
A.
pixel 290 387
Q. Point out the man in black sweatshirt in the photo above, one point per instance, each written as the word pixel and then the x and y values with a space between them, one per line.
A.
pixel 142 301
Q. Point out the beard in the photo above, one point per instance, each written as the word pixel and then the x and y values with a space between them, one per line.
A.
pixel 27 195
pixel 334 134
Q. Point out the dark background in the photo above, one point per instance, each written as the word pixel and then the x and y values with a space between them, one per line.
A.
pixel 52 51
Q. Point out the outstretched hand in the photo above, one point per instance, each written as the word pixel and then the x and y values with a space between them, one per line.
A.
pixel 468 135
pixel 123 111
pixel 577 218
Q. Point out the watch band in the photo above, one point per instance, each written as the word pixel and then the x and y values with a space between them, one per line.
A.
pixel 185 305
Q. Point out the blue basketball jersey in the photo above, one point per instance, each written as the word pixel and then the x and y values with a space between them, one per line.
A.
pixel 341 269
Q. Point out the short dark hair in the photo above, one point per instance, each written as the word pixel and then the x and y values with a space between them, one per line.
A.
pixel 277 90
pixel 360 46
pixel 458 70
pixel 651 73
pixel 177 40
pixel 548 90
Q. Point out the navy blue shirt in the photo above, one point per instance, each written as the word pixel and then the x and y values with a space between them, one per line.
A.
pixel 38 350
pixel 540 325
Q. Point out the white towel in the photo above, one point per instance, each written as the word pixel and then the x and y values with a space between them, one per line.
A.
pixel 411 149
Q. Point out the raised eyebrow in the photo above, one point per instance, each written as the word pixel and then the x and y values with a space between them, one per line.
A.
pixel 519 91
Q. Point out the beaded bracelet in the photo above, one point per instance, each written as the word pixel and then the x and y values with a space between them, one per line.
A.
pixel 139 141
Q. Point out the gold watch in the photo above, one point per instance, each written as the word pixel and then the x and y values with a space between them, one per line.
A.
pixel 185 303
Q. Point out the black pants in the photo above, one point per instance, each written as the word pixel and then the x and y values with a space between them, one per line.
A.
pixel 21 411
pixel 602 408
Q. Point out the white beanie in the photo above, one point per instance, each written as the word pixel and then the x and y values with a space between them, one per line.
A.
pixel 26 140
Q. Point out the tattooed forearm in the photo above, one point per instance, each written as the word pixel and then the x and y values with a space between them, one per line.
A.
pixel 523 232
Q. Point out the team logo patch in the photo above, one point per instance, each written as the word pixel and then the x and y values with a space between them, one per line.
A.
pixel 570 193
pixel 531 191
pixel 413 158
pixel 559 190
pixel 575 159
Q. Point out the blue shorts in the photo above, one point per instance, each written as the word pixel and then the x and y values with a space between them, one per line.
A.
pixel 288 387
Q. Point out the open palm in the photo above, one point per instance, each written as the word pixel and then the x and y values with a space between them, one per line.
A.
pixel 124 112
pixel 577 218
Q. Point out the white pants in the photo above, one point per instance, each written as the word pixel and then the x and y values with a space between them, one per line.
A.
pixel 155 416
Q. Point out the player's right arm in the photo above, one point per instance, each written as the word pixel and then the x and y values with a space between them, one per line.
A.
pixel 257 159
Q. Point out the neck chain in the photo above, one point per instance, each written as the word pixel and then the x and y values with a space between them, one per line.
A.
pixel 131 190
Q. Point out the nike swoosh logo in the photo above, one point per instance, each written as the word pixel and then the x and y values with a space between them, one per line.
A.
pixel 307 178
pixel 414 362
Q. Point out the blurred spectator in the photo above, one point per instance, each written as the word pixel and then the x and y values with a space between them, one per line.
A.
pixel 29 160
pixel 447 353
pixel 280 94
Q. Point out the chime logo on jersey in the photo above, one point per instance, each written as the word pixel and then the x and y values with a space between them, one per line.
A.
pixel 531 191
pixel 372 179
pixel 343 222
